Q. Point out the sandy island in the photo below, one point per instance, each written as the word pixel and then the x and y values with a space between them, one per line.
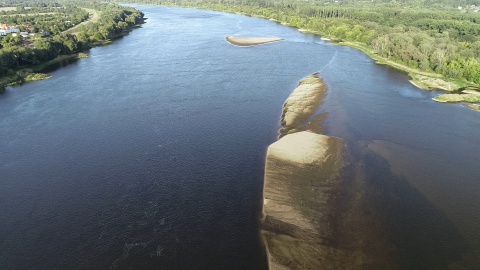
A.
pixel 251 41
pixel 301 170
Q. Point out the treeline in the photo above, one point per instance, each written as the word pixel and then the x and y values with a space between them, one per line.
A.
pixel 445 42
pixel 60 20
pixel 114 21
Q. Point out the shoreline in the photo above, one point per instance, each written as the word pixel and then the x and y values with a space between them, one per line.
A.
pixel 36 73
pixel 23 75
pixel 420 79
pixel 251 41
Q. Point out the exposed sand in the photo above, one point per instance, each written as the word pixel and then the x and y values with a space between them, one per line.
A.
pixel 301 148
pixel 302 104
pixel 300 174
pixel 473 92
pixel 250 41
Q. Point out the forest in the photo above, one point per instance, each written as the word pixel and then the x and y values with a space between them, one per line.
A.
pixel 53 19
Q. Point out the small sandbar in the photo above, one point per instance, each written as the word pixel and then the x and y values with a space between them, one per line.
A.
pixel 251 41
pixel 302 104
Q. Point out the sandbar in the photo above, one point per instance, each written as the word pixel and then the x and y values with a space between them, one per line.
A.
pixel 302 104
pixel 316 214
pixel 251 41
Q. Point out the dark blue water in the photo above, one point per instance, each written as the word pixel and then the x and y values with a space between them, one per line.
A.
pixel 149 153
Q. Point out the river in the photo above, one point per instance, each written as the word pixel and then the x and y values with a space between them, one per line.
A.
pixel 150 153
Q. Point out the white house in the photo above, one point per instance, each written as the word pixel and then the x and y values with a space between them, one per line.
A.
pixel 4 32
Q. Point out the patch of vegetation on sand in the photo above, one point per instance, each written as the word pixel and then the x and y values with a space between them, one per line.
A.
pixel 431 83
pixel 472 98
pixel 36 77
pixel 475 107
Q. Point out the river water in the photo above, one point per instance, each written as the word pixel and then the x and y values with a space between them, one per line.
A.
pixel 150 153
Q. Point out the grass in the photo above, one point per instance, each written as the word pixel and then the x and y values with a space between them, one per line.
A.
pixel 36 77
pixel 431 83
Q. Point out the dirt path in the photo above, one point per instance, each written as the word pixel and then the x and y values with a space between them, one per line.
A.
pixel 94 17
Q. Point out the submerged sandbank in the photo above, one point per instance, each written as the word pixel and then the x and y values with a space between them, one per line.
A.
pixel 250 41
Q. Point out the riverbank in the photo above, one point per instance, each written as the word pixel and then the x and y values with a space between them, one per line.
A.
pixel 421 79
pixel 64 46
pixel 251 41
pixel 36 73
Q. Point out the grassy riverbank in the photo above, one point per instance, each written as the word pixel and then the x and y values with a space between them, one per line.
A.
pixel 25 60
pixel 421 79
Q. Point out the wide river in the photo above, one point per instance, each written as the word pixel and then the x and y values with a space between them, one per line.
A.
pixel 150 153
